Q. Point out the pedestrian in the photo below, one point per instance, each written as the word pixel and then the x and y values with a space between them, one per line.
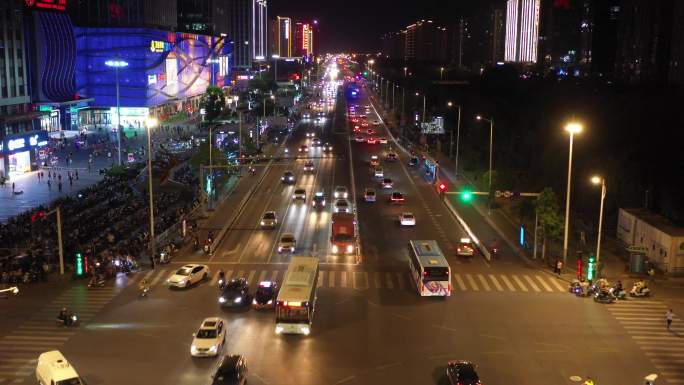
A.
pixel 59 177
pixel 49 185
pixel 49 174
pixel 13 186
pixel 38 174
pixel 76 174
pixel 59 186
pixel 559 266
pixel 669 316
pixel 42 175
pixel 71 182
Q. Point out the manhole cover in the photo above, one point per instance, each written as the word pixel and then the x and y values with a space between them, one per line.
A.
pixel 575 378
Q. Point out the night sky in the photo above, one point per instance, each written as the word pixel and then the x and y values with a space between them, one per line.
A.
pixel 347 25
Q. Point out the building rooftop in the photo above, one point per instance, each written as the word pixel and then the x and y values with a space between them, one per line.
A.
pixel 658 221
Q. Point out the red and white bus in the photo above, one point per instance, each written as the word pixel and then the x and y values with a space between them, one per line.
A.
pixel 296 301
pixel 430 271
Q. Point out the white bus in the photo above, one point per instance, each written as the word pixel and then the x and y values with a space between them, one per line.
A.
pixel 296 301
pixel 430 271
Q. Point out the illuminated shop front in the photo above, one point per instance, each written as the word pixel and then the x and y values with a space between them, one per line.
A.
pixel 18 153
pixel 164 73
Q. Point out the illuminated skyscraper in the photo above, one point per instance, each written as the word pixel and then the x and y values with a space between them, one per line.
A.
pixel 259 29
pixel 283 36
pixel 248 31
pixel 522 30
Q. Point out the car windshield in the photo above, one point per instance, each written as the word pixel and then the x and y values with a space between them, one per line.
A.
pixel 341 203
pixel 370 193
pixel 264 292
pixel 467 372
pixel 287 238
pixel 408 216
pixel 269 216
pixel 341 190
pixel 342 237
pixel 70 381
pixel 299 191
pixel 397 195
pixel 183 271
pixel 206 333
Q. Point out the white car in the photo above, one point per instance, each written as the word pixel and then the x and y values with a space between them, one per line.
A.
pixel 407 219
pixel 310 134
pixel 387 183
pixel 465 248
pixel 378 173
pixel 287 243
pixel 188 275
pixel 382 139
pixel 269 220
pixel 341 192
pixel 369 195
pixel 299 193
pixel 360 139
pixel 209 339
pixel 309 166
pixel 342 206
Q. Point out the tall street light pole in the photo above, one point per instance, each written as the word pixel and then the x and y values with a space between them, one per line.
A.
pixel 149 124
pixel 602 181
pixel 116 64
pixel 275 69
pixel 441 73
pixel 405 69
pixel 424 102
pixel 491 151
pixel 572 128
pixel 458 137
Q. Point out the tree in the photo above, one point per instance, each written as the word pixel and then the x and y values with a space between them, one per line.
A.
pixel 550 218
pixel 213 101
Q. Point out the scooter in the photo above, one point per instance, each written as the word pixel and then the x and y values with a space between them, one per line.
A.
pixel 144 291
pixel 97 281
pixel 603 296
pixel 618 293
pixel 164 257
pixel 640 290
pixel 72 321
pixel 221 283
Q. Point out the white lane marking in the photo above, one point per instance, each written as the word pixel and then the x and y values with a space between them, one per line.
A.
pixel 377 281
pixel 519 282
pixel 250 277
pixel 555 283
pixel 531 282
pixel 321 278
pixel 388 281
pixel 543 283
pixel 459 281
pixel 240 274
pixel 363 285
pixel 496 282
pixel 262 276
pixel 343 279
pixel 401 279
pixel 214 279
pixel 331 278
pixel 158 277
pixel 472 283
pixel 274 275
pixel 484 282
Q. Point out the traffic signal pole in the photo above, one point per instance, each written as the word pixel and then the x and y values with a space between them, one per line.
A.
pixel 59 240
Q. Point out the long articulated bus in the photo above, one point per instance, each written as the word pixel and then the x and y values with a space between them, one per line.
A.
pixel 296 301
pixel 430 271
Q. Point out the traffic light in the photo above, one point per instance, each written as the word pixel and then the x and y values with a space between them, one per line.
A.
pixel 442 188
pixel 591 264
pixel 365 74
pixel 79 265
pixel 466 195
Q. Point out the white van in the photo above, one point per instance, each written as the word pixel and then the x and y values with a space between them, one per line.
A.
pixel 54 369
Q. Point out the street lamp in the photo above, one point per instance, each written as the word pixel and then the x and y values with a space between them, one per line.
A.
pixel 405 69
pixel 572 128
pixel 458 137
pixel 116 64
pixel 275 73
pixel 597 180
pixel 424 100
pixel 150 123
pixel 491 150
pixel 441 72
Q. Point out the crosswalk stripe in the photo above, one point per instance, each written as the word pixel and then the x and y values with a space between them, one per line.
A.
pixel 331 279
pixel 377 281
pixel 543 283
pixel 274 275
pixel 402 281
pixel 519 282
pixel 250 277
pixel 388 281
pixel 472 283
pixel 229 275
pixel 364 280
pixel 148 274
pixel 484 282
pixel 159 276
pixel 495 282
pixel 640 318
pixel 240 274
pixel 555 283
pixel 262 276
pixel 214 280
pixel 343 279
pixel 321 278
pixel 507 282
pixel 39 338
pixel 531 282
pixel 652 333
pixel 652 338
pixel 459 281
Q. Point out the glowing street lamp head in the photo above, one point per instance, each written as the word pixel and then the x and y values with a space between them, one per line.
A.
pixel 371 61
pixel 450 104
pixel 117 63
pixel 275 56
pixel 596 179
pixel 151 122
pixel 573 127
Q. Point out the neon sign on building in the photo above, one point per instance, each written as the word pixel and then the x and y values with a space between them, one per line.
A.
pixel 56 5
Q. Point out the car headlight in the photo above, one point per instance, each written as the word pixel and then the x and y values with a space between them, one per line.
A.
pixel 213 349
pixel 254 302
pixel 270 302
pixel 335 249
pixel 193 350
pixel 346 195
pixel 222 300
pixel 306 331
pixel 278 329
pixel 293 196
pixel 350 248
pixel 237 300
pixel 280 248
pixel 291 178
pixel 262 223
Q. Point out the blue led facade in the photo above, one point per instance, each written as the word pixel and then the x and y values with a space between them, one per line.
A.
pixel 162 66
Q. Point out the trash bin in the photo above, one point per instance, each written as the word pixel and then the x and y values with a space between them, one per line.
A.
pixel 636 263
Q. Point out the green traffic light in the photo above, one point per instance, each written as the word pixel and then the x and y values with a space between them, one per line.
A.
pixel 79 264
pixel 590 269
pixel 466 196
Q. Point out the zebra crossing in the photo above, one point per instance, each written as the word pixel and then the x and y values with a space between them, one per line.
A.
pixel 20 348
pixel 644 321
pixel 385 280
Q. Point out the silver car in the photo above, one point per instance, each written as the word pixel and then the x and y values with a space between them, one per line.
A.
pixel 268 220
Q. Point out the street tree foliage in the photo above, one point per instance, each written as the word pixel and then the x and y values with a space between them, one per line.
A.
pixel 213 101
pixel 550 217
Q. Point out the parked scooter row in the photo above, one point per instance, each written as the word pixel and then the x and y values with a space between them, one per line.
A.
pixel 603 292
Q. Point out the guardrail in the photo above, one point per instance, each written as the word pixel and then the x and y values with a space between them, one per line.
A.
pixel 471 234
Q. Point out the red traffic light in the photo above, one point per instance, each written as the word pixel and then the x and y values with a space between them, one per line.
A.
pixel 442 187
pixel 37 216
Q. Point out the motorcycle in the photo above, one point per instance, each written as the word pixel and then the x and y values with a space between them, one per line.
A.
pixel 206 249
pixel 640 290
pixel 144 291
pixel 252 170
pixel 618 293
pixel 575 287
pixel 70 320
pixel 164 257
pixel 97 281
pixel 604 296
pixel 221 283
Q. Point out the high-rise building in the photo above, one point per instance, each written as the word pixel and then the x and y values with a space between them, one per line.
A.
pixel 522 30
pixel 305 38
pixel 207 17
pixel 162 14
pixel 676 71
pixel 426 41
pixel 283 36
pixel 498 35
pixel 605 16
pixel 248 31
pixel 393 44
